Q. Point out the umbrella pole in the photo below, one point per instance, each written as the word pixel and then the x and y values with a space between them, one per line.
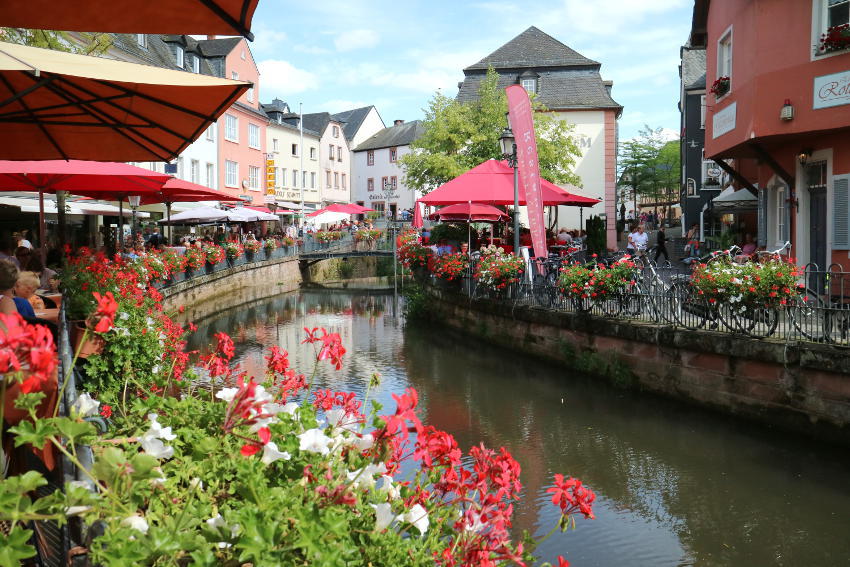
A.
pixel 41 227
pixel 119 248
pixel 170 228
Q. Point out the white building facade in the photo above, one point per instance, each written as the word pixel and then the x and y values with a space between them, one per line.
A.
pixel 378 176
pixel 296 161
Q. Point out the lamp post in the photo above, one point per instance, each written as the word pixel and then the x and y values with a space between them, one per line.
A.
pixel 133 200
pixel 508 144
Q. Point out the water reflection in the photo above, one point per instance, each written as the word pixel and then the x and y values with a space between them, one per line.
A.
pixel 676 486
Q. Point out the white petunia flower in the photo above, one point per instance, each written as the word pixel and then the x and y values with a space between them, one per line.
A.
pixel 85 405
pixel 136 522
pixel 365 478
pixel 76 510
pixel 363 443
pixel 261 422
pixel 152 443
pixel 314 441
pixel 271 453
pixel 383 515
pixel 393 491
pixel 226 394
pixel 417 516
pixel 262 395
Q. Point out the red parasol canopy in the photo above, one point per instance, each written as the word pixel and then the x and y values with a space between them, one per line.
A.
pixel 91 178
pixel 469 212
pixel 417 215
pixel 225 17
pixel 492 182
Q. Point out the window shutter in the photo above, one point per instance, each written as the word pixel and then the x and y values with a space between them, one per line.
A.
pixel 841 212
pixel 762 218
pixel 786 228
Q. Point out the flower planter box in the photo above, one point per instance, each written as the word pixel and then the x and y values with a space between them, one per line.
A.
pixel 93 343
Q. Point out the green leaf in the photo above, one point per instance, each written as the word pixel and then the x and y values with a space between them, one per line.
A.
pixel 107 464
pixel 14 547
pixel 72 429
pixel 29 402
pixel 143 466
pixel 36 434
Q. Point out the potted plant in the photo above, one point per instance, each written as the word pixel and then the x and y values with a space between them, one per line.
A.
pixel 270 245
pixel 174 264
pixel 720 87
pixel 195 259
pixel 214 255
pixel 496 270
pixel 234 251
pixel 251 247
pixel 836 38
pixel 450 269
pixel 414 256
pixel 288 242
pixel 368 237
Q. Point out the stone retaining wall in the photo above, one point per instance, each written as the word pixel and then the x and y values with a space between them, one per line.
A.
pixel 800 387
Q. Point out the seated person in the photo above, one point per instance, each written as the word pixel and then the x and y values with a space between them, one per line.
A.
pixel 748 249
pixel 8 279
pixel 443 247
pixel 25 298
pixel 564 237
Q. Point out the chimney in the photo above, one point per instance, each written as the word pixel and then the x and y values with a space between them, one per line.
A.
pixel 398 122
pixel 211 37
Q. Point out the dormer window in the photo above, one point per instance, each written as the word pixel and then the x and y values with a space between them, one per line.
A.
pixel 177 51
pixel 530 85
pixel 196 64
pixel 142 40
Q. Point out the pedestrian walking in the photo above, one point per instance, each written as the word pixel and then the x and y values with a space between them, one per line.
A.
pixel 661 245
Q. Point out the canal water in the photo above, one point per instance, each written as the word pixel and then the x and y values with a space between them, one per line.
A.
pixel 675 485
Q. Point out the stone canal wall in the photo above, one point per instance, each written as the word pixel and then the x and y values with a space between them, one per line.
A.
pixel 796 386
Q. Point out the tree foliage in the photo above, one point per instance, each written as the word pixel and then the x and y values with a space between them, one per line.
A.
pixel 82 43
pixel 649 164
pixel 459 136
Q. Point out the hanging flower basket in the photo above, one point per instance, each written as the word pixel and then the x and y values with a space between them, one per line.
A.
pixel 836 38
pixel 721 86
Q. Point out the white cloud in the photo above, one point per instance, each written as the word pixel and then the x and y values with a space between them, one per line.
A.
pixel 356 39
pixel 283 78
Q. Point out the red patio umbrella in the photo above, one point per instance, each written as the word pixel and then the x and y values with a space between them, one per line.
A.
pixel 492 182
pixel 417 215
pixel 469 212
pixel 225 17
pixel 90 178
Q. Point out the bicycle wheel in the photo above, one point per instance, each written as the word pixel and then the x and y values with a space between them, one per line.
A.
pixel 542 292
pixel 758 322
pixel 686 308
pixel 809 315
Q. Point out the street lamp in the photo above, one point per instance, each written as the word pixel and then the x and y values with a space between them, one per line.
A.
pixel 508 144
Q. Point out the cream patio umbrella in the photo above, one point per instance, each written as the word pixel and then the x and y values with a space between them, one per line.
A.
pixel 56 105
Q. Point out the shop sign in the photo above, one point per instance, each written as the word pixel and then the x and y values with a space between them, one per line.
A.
pixel 724 121
pixel 832 90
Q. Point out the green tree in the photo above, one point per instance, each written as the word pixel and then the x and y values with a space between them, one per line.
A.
pixel 649 166
pixel 82 43
pixel 459 136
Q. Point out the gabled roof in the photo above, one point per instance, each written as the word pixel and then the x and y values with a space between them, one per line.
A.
pixel 559 89
pixel 352 119
pixel 218 47
pixel 394 136
pixel 318 121
pixel 533 48
pixel 693 68
pixel 276 105
pixel 158 51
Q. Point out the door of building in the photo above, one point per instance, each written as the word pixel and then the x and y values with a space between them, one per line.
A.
pixel 816 182
pixel 393 210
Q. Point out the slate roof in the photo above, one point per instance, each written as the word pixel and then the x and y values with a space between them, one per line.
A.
pixel 693 68
pixel 394 136
pixel 158 51
pixel 566 80
pixel 276 105
pixel 317 121
pixel 294 127
pixel 351 120
pixel 532 48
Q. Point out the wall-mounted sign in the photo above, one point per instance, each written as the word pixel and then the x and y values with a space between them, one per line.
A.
pixel 832 90
pixel 724 121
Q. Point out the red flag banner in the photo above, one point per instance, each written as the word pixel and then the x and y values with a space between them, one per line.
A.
pixel 522 124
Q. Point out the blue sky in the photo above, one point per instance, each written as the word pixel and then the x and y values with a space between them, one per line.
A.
pixel 332 55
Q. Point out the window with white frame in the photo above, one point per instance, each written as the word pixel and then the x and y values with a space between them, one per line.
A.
pixel 253 178
pixel 336 131
pixel 295 150
pixel 196 64
pixel 328 178
pixel 210 180
pixel 331 151
pixel 303 179
pixel 312 153
pixel 274 144
pixel 313 180
pixel 724 57
pixel 702 112
pixel 336 180
pixel 394 182
pixel 370 157
pixel 343 181
pixel 339 153
pixel 195 171
pixel 234 75
pixel 177 51
pixel 393 155
pixel 231 128
pixel 211 132
pixel 294 178
pixel 181 172
pixel 254 136
pixel 837 13
pixel 530 85
pixel 231 173
pixel 779 236
pixel 370 184
pixel 283 177
pixel 250 94
pixel 142 40
pixel 711 175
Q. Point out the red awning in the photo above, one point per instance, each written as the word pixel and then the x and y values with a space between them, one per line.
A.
pixel 91 178
pixel 492 183
pixel 225 17
pixel 469 212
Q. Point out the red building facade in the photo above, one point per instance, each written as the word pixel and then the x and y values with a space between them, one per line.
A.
pixel 778 118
